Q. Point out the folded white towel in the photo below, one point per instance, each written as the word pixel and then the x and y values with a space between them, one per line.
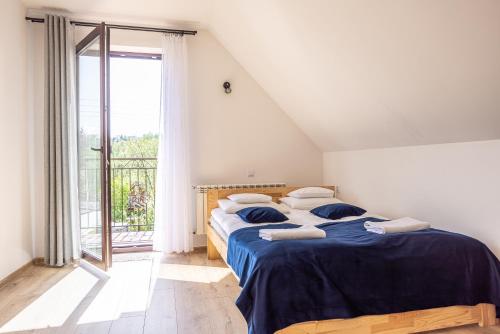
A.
pixel 303 232
pixel 405 224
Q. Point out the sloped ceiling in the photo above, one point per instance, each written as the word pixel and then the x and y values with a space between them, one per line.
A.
pixel 362 74
pixel 358 74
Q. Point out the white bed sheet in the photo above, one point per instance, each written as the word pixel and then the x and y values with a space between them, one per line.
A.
pixel 217 227
pixel 227 223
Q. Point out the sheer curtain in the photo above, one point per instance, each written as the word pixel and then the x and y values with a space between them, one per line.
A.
pixel 173 225
pixel 60 143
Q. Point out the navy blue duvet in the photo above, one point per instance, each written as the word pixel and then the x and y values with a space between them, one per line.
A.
pixel 354 272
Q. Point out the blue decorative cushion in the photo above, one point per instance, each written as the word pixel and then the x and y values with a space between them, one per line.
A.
pixel 337 211
pixel 258 214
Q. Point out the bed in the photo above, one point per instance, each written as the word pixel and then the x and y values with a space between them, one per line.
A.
pixel 262 298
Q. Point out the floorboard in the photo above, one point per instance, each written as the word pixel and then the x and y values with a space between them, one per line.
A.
pixel 145 293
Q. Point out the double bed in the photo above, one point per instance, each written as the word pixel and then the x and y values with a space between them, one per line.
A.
pixel 352 281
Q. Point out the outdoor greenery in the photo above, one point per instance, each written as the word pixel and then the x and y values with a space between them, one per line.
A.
pixel 145 146
pixel 133 181
pixel 133 178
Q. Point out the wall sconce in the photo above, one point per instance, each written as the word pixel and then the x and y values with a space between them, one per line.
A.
pixel 227 87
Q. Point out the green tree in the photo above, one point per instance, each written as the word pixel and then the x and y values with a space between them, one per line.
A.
pixel 133 181
pixel 145 146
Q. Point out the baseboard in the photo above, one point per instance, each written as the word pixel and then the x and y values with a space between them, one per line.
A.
pixel 40 261
pixel 14 274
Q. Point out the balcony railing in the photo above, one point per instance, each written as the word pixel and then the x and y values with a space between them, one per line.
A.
pixel 132 203
pixel 133 194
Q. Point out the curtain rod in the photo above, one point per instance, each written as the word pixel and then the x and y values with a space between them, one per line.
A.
pixel 123 27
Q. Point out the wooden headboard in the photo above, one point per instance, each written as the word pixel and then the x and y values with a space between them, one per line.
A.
pixel 213 195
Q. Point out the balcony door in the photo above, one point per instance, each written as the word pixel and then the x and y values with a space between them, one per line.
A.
pixel 93 146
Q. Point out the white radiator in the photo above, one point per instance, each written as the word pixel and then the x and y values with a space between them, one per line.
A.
pixel 201 198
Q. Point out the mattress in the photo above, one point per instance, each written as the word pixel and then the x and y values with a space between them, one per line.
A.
pixel 227 223
pixel 217 227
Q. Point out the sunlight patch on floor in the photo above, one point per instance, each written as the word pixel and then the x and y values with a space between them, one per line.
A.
pixel 125 293
pixel 192 273
pixel 55 306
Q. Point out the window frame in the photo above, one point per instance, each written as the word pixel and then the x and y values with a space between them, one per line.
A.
pixel 135 55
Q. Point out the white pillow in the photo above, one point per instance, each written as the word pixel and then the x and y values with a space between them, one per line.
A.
pixel 250 198
pixel 229 206
pixel 312 192
pixel 308 203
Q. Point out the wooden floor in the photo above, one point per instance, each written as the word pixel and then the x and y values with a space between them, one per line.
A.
pixel 144 294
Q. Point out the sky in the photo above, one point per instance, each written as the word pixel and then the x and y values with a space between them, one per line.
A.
pixel 135 95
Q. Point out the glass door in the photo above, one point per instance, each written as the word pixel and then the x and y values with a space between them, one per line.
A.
pixel 93 147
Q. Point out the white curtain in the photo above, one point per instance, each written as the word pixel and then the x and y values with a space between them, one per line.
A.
pixel 60 138
pixel 173 224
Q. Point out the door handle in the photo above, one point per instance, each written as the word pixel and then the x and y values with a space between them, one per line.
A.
pixel 96 149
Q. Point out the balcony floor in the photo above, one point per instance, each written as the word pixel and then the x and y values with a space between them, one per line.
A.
pixel 124 241
pixel 128 239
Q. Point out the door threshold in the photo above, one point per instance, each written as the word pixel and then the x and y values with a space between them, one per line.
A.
pixel 132 249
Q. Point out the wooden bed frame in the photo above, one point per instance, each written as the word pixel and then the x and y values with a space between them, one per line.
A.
pixel 395 323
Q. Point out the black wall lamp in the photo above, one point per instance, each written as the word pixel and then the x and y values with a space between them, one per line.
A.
pixel 227 87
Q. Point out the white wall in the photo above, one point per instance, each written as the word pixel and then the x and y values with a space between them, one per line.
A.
pixel 15 232
pixel 230 133
pixel 454 186
pixel 36 139
pixel 243 130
